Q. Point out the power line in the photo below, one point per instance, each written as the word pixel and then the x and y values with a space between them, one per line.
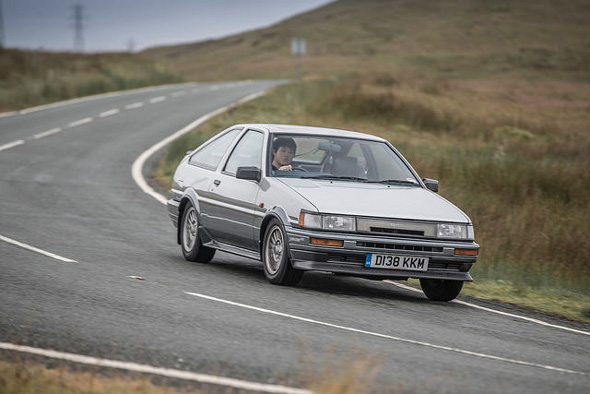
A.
pixel 1 26
pixel 78 17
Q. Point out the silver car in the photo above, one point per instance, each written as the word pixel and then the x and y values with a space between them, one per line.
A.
pixel 316 199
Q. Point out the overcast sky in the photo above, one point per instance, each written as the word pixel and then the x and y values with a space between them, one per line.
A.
pixel 118 25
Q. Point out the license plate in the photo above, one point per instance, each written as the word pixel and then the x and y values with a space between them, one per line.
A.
pixel 395 262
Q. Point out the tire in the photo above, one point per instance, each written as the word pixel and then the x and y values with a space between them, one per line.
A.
pixel 275 257
pixel 190 241
pixel 441 289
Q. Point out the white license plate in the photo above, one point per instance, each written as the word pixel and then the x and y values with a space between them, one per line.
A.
pixel 395 262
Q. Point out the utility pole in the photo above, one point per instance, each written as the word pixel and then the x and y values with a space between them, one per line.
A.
pixel 78 17
pixel 1 26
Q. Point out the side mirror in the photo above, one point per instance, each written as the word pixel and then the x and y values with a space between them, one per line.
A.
pixel 431 184
pixel 249 173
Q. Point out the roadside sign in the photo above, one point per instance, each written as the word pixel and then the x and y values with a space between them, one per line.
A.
pixel 298 46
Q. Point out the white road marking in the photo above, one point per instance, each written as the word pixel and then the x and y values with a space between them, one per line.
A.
pixel 178 94
pixel 47 133
pixel 11 145
pixel 136 168
pixel 90 98
pixel 157 99
pixel 109 113
pixel 81 122
pixel 214 87
pixel 142 368
pixel 497 312
pixel 390 337
pixel 134 105
pixel 34 249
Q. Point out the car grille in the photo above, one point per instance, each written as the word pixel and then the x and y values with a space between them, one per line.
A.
pixel 413 248
pixel 396 231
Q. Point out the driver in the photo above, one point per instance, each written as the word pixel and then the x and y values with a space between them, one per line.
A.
pixel 283 151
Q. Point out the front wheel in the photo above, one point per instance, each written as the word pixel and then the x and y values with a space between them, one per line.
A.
pixel 192 248
pixel 441 289
pixel 275 256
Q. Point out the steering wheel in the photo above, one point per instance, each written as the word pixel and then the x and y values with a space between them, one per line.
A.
pixel 299 169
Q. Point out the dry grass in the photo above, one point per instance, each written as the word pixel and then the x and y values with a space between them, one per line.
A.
pixel 30 377
pixel 30 78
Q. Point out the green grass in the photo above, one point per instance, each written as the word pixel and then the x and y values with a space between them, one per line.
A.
pixel 29 78
pixel 523 183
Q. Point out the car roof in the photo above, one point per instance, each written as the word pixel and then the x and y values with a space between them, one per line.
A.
pixel 293 129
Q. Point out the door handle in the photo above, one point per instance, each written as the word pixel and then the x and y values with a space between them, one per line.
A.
pixel 216 182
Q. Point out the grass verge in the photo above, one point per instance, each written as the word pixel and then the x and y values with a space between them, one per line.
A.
pixel 518 172
pixel 30 78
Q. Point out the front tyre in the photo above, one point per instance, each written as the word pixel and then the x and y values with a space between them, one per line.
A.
pixel 275 257
pixel 192 248
pixel 441 289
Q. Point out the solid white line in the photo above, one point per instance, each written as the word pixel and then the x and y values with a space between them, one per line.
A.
pixel 136 169
pixel 81 122
pixel 134 105
pixel 47 133
pixel 142 368
pixel 497 312
pixel 109 113
pixel 157 99
pixel 34 249
pixel 11 145
pixel 385 336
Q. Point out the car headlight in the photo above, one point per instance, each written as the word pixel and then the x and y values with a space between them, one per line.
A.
pixel 455 231
pixel 327 221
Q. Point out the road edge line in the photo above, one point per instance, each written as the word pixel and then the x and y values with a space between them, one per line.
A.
pixel 137 167
pixel 145 368
pixel 529 319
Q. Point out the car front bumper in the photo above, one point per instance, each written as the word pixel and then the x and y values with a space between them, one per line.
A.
pixel 350 258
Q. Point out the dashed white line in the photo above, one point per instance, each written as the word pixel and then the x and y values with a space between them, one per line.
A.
pixel 81 122
pixel 157 99
pixel 214 87
pixel 142 368
pixel 390 337
pixel 109 113
pixel 47 133
pixel 134 105
pixel 37 250
pixel 178 94
pixel 11 145
pixel 496 311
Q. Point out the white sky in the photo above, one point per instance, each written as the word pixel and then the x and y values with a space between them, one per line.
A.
pixel 110 25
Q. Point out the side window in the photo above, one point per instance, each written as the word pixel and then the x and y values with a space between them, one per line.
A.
pixel 248 152
pixel 210 155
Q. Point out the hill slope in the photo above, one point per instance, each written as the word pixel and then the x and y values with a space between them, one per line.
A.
pixel 458 38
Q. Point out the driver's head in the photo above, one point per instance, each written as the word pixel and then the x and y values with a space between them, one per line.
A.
pixel 283 150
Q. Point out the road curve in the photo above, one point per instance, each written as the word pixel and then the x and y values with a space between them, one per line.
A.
pixel 77 235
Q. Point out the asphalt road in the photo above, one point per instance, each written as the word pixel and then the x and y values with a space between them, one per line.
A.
pixel 66 188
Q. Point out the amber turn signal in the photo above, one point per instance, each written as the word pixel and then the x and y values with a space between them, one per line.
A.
pixel 326 242
pixel 466 252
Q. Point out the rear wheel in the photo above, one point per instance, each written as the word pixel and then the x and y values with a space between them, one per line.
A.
pixel 441 289
pixel 192 248
pixel 275 256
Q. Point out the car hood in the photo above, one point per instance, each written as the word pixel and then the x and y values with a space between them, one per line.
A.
pixel 376 200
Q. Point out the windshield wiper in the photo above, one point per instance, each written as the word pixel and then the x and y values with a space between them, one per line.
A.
pixel 326 176
pixel 398 181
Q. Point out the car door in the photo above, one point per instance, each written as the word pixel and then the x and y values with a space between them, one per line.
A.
pixel 231 214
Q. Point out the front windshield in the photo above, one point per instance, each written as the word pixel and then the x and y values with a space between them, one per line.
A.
pixel 349 159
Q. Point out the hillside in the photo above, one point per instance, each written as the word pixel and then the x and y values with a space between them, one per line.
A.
pixel 29 78
pixel 455 38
